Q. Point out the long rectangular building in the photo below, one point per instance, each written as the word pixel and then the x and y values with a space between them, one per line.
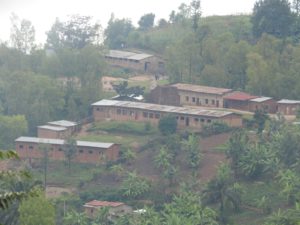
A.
pixel 193 118
pixel 87 152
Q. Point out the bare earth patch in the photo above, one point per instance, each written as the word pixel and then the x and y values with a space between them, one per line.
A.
pixel 55 192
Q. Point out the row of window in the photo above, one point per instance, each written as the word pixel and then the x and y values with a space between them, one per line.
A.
pixel 196 119
pixel 60 149
pixel 151 115
pixel 198 101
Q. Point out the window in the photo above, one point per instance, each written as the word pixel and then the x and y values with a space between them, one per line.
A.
pixel 100 109
pixel 177 117
pixel 213 101
pixel 119 111
pixel 30 147
pixel 20 146
pixel 196 119
pixel 157 116
pixel 145 114
pixel 202 120
pixel 209 121
pixel 124 112
pixel 194 99
pixel 90 151
pixel 80 151
pixel 187 98
pixel 131 113
pixel 206 101
pixel 182 118
pixel 151 115
pixel 60 149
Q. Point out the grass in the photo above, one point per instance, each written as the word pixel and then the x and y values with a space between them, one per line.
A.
pixel 136 128
pixel 58 173
pixel 163 82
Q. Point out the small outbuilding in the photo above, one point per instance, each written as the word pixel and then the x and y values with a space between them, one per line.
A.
pixel 288 107
pixel 116 209
pixel 55 132
pixel 266 104
pixel 238 100
pixel 70 125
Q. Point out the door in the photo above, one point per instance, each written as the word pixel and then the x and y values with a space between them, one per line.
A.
pixel 187 121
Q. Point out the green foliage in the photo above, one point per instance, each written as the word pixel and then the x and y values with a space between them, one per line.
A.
pixel 193 151
pixel 127 155
pixel 272 17
pixel 75 218
pixel 146 21
pixel 76 33
pixel 37 210
pixel 167 124
pixel 122 90
pixel 135 186
pixel 214 128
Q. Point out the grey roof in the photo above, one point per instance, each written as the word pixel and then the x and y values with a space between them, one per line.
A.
pixel 288 101
pixel 127 55
pixel 54 128
pixel 196 111
pixel 261 99
pixel 63 123
pixel 61 142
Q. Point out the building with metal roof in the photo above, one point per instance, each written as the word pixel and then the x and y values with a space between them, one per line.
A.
pixel 86 152
pixel 136 61
pixel 190 117
pixel 288 107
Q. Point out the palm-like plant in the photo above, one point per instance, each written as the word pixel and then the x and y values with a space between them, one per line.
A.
pixel 75 218
pixel 135 185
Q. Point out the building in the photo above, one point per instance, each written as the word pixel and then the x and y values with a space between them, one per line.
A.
pixel 288 107
pixel 238 100
pixel 87 152
pixel 47 131
pixel 265 104
pixel 116 209
pixel 164 95
pixel 197 95
pixel 193 118
pixel 70 125
pixel 140 62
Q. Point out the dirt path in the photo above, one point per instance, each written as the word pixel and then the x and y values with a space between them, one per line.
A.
pixel 83 131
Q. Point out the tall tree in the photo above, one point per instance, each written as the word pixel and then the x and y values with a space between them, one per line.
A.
pixel 196 13
pixel 146 21
pixel 273 17
pixel 37 211
pixel 76 33
pixel 22 34
pixel 117 31
pixel 70 151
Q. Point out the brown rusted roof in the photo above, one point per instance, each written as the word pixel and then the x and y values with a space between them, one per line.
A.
pixel 201 89
pixel 239 96
pixel 96 203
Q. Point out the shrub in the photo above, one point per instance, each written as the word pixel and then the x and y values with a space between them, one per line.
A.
pixel 167 124
pixel 215 128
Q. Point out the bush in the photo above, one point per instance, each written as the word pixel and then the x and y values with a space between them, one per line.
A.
pixel 167 124
pixel 215 128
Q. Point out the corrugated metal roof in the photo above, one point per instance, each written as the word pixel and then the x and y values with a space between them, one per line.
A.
pixel 96 203
pixel 239 96
pixel 201 89
pixel 164 108
pixel 63 123
pixel 127 55
pixel 288 101
pixel 54 128
pixel 261 99
pixel 61 142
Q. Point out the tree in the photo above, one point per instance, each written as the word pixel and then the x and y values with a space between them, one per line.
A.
pixel 124 91
pixel 117 31
pixel 45 148
pixel 134 185
pixel 167 124
pixel 146 21
pixel 22 34
pixel 36 211
pixel 70 151
pixel 193 150
pixel 75 218
pixel 290 183
pixel 223 190
pixel 260 117
pixel 272 17
pixel 196 13
pixel 75 33
pixel 127 155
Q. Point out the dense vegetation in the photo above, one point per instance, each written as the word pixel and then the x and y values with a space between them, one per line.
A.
pixel 258 184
